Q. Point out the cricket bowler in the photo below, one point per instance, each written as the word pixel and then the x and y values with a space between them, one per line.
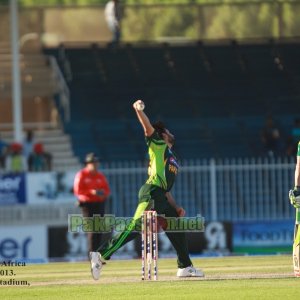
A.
pixel 154 194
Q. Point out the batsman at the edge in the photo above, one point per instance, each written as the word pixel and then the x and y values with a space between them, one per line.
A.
pixel 294 196
pixel 154 194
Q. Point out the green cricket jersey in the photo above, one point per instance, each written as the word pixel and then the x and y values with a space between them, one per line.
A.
pixel 163 166
pixel 298 152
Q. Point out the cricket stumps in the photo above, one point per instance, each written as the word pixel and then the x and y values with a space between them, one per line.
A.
pixel 149 245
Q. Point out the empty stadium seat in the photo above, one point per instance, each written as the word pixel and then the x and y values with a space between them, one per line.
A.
pixel 213 97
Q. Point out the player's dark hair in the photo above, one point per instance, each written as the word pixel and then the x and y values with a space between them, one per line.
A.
pixel 160 127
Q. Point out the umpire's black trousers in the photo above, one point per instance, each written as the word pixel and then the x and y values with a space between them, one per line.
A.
pixel 88 210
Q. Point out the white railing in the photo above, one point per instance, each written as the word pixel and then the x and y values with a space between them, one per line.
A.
pixel 223 190
pixel 235 189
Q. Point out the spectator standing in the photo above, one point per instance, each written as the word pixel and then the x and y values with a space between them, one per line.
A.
pixel 92 190
pixel 290 146
pixel 291 143
pixel 295 136
pixel 28 143
pixel 39 160
pixel 15 161
pixel 271 138
pixel 112 14
pixel 296 131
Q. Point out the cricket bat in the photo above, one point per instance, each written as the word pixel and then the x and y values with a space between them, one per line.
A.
pixel 296 245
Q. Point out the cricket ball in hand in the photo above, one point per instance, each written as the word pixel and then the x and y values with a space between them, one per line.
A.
pixel 162 224
pixel 140 106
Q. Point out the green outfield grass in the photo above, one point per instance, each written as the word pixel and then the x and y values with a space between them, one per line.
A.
pixel 247 277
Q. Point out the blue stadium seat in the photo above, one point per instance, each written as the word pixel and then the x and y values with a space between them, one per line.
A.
pixel 209 95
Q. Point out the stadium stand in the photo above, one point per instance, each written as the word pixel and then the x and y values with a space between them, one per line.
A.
pixel 39 111
pixel 214 97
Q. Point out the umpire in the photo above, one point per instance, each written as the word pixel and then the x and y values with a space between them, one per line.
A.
pixel 92 190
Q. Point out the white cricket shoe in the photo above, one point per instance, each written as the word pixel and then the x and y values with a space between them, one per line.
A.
pixel 96 264
pixel 189 272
